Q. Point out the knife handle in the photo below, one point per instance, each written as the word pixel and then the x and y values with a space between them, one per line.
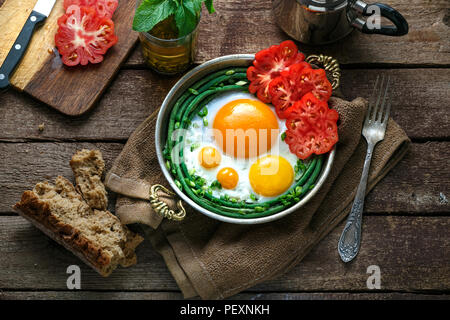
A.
pixel 19 47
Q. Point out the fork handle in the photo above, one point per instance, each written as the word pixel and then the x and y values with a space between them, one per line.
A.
pixel 350 239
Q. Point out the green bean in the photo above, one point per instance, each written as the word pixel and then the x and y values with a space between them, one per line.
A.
pixel 220 79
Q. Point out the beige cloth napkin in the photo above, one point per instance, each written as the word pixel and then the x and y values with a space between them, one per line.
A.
pixel 215 260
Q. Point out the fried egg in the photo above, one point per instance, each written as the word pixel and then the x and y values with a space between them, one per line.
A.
pixel 239 144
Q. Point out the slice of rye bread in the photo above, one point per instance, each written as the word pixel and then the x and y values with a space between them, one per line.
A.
pixel 88 167
pixel 96 237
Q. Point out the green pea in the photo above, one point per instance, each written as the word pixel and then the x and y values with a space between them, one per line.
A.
pixel 194 146
pixel 203 112
pixel 193 91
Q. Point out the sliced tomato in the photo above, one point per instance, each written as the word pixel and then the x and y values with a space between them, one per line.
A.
pixel 305 139
pixel 311 127
pixel 302 145
pixel 325 142
pixel 83 37
pixel 294 82
pixel 107 8
pixel 317 78
pixel 332 115
pixel 328 133
pixel 104 8
pixel 288 88
pixel 268 64
pixel 309 106
pixel 81 3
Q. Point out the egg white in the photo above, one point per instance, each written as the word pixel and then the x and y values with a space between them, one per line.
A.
pixel 200 136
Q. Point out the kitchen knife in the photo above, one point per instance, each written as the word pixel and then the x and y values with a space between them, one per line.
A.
pixel 40 12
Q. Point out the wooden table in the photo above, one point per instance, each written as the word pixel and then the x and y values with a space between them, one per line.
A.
pixel 407 216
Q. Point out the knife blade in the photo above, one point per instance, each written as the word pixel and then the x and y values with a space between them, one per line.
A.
pixel 44 7
pixel 38 15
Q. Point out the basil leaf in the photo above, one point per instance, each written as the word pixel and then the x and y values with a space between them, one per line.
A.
pixel 151 12
pixel 185 20
pixel 209 5
pixel 192 6
pixel 180 17
pixel 197 5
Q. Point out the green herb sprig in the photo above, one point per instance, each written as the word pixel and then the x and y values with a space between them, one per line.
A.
pixel 185 12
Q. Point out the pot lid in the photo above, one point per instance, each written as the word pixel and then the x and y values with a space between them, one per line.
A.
pixel 323 5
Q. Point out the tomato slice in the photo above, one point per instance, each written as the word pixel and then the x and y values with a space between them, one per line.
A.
pixel 81 3
pixel 309 106
pixel 268 64
pixel 83 37
pixel 317 78
pixel 294 82
pixel 301 145
pixel 104 8
pixel 324 143
pixel 288 88
pixel 311 127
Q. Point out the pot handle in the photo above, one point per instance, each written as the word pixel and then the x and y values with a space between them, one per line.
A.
pixel 162 208
pixel 328 63
pixel 399 28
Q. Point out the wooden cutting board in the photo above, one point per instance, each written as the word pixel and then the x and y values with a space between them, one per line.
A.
pixel 71 90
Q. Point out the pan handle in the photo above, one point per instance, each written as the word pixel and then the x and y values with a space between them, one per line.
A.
pixel 328 63
pixel 162 208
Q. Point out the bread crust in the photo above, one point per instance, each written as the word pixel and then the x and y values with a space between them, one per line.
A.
pixel 38 212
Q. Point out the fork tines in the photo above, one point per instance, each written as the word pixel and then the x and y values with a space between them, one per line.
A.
pixel 377 113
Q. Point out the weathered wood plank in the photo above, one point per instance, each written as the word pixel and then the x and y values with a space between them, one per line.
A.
pixel 408 262
pixel 133 96
pixel 25 164
pixel 249 26
pixel 406 249
pixel 114 295
pixel 414 107
pixel 418 100
pixel 418 185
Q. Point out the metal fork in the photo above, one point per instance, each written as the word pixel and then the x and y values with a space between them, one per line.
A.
pixel 373 130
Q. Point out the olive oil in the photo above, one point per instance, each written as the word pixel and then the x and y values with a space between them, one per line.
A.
pixel 164 51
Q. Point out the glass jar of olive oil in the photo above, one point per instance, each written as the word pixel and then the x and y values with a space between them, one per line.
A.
pixel 164 51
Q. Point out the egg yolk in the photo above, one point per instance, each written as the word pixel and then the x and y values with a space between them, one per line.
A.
pixel 209 157
pixel 228 178
pixel 271 175
pixel 245 128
